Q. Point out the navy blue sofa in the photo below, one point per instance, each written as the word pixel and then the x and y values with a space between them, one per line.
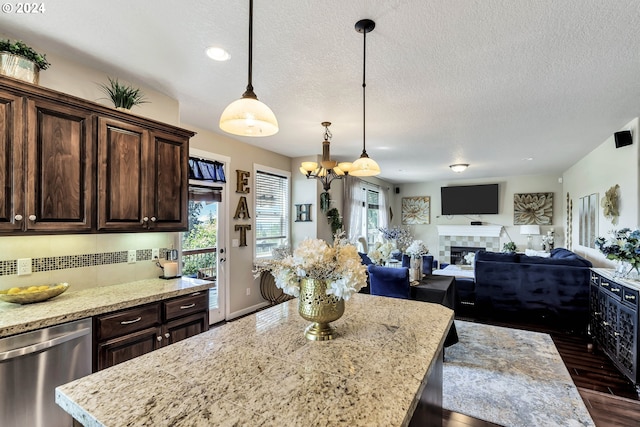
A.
pixel 554 288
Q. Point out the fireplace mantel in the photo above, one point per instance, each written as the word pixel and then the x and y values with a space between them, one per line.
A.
pixel 470 230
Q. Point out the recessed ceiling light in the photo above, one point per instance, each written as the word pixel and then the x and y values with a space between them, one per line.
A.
pixel 218 53
pixel 527 159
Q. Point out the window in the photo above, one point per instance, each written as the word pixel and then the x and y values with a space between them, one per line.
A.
pixel 372 214
pixel 272 210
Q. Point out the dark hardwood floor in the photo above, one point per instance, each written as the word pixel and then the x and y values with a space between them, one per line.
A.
pixel 611 399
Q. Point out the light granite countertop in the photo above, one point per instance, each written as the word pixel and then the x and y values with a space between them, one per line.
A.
pixel 69 306
pixel 262 371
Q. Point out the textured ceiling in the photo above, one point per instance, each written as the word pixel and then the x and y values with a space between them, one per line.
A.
pixel 489 82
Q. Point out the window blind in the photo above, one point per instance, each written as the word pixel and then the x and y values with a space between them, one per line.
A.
pixel 272 212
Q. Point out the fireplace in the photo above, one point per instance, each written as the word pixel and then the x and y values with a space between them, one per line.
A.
pixel 457 253
pixel 469 237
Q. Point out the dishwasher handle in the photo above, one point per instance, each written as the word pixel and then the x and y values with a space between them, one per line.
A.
pixel 34 348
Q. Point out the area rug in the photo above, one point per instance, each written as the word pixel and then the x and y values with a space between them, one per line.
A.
pixel 510 377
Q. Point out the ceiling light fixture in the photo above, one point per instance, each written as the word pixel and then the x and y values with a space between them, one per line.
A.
pixel 328 169
pixel 364 166
pixel 247 116
pixel 459 167
pixel 218 53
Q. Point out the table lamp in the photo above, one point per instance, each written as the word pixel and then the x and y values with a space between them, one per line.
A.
pixel 529 230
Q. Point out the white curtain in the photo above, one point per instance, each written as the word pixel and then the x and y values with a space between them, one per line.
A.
pixel 383 216
pixel 353 199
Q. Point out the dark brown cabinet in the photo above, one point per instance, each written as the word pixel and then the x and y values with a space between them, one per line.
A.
pixel 142 178
pixel 70 165
pixel 132 332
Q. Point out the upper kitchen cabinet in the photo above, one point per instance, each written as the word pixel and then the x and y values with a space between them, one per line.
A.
pixel 142 178
pixel 46 166
pixel 73 166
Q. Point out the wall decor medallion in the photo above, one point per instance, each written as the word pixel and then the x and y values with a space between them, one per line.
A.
pixel 609 204
pixel 416 210
pixel 532 208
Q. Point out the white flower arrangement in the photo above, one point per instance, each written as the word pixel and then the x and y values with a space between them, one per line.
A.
pixel 548 239
pixel 380 252
pixel 470 258
pixel 340 265
pixel 416 249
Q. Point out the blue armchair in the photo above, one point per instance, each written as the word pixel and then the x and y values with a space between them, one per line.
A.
pixel 427 263
pixel 389 282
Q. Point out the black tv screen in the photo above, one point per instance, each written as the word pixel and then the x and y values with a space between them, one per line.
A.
pixel 469 199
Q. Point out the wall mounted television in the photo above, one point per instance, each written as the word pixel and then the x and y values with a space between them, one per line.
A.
pixel 469 199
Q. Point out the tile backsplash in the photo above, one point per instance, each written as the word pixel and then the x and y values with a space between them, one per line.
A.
pixel 84 261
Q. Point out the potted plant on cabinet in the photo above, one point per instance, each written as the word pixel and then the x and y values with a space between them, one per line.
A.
pixel 123 96
pixel 21 62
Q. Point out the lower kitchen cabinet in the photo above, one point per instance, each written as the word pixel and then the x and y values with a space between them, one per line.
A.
pixel 614 320
pixel 132 332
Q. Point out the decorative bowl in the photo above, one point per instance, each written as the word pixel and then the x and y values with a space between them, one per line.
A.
pixel 36 294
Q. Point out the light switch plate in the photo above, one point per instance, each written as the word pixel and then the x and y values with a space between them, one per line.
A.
pixel 155 254
pixel 131 258
pixel 24 266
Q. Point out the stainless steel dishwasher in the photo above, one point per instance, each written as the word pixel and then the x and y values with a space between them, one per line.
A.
pixel 33 364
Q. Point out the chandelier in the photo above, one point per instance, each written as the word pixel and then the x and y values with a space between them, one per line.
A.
pixel 328 170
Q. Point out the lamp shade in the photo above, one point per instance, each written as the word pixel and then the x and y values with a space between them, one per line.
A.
pixel 248 117
pixel 364 166
pixel 529 229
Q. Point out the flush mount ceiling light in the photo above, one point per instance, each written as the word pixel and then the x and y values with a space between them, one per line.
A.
pixel 459 167
pixel 247 116
pixel 364 166
pixel 328 169
pixel 218 53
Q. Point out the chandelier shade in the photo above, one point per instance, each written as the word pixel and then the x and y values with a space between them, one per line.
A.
pixel 247 116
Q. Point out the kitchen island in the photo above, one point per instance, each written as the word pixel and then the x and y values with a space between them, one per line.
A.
pixel 73 305
pixel 384 365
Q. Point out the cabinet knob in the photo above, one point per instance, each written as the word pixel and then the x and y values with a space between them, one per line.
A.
pixel 153 219
pixel 32 217
pixel 145 219
pixel 18 217
pixel 159 338
pixel 167 335
pixel 605 323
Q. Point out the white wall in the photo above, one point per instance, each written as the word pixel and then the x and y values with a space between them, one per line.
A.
pixel 601 169
pixel 508 186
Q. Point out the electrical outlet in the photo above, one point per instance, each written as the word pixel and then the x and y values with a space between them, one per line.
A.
pixel 24 266
pixel 131 257
pixel 248 291
pixel 155 254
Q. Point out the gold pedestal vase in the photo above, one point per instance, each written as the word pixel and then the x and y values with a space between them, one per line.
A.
pixel 316 306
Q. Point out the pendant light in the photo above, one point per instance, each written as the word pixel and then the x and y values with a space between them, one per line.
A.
pixel 364 166
pixel 247 116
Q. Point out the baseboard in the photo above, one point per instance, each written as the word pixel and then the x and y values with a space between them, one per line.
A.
pixel 247 310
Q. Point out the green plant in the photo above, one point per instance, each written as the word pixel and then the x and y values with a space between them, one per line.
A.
pixel 333 217
pixel 21 49
pixel 509 247
pixel 121 95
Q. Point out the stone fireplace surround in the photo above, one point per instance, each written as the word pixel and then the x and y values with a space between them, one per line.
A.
pixel 473 236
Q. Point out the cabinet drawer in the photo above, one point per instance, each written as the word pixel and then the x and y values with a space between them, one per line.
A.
pixel 612 288
pixel 182 306
pixel 127 321
pixel 630 296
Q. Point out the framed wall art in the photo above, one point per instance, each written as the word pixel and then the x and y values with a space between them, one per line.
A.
pixel 416 210
pixel 588 230
pixel 532 208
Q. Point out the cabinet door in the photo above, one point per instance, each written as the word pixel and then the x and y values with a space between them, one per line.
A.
pixel 60 167
pixel 627 333
pixel 123 187
pixel 12 173
pixel 127 347
pixel 185 327
pixel 170 178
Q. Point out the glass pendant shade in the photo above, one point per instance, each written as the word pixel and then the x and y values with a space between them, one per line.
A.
pixel 364 166
pixel 248 117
